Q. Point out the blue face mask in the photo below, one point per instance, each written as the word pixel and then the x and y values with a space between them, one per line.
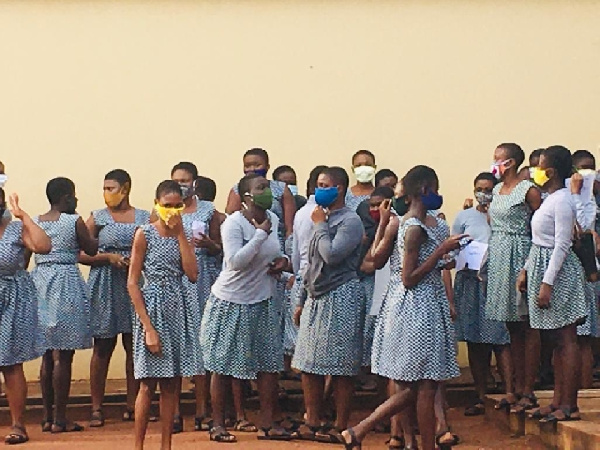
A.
pixel 432 201
pixel 326 196
pixel 293 189
pixel 259 172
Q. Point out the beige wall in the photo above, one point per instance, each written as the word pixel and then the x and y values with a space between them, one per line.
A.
pixel 89 86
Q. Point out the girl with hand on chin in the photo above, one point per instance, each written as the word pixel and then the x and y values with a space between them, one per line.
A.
pixel 242 327
pixel 18 309
pixel 165 344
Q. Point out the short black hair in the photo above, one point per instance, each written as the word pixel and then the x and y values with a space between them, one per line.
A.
pixel 383 191
pixel 188 167
pixel 339 176
pixel 514 151
pixel 417 178
pixel 205 188
pixel 559 158
pixel 535 154
pixel 281 170
pixel 244 184
pixel 118 175
pixel 580 155
pixel 168 187
pixel 486 176
pixel 311 184
pixel 2 195
pixel 384 173
pixel 260 152
pixel 58 188
pixel 363 152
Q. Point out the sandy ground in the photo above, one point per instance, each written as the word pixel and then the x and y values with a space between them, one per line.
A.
pixel 475 433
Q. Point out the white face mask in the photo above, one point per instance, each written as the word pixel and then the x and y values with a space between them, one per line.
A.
pixel 293 189
pixel 364 174
pixel 3 179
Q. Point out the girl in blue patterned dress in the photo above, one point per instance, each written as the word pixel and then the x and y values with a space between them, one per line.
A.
pixel 481 334
pixel 64 306
pixel 510 212
pixel 554 280
pixel 256 160
pixel 18 308
pixel 202 227
pixel 241 333
pixel 332 320
pixel 414 337
pixel 363 167
pixel 165 341
pixel 111 309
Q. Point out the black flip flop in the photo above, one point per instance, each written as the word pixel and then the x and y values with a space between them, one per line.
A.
pixel 18 435
pixel 353 442
pixel 268 436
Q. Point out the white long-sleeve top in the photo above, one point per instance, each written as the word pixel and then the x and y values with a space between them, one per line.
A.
pixel 247 253
pixel 586 212
pixel 552 227
pixel 303 226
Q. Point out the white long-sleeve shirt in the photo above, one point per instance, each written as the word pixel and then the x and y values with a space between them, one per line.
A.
pixel 552 227
pixel 586 212
pixel 303 225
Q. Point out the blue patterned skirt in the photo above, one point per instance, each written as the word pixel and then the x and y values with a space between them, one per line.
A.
pixel 242 340
pixel 507 255
pixel 64 306
pixel 567 303
pixel 471 323
pixel 414 336
pixel 111 308
pixel 330 336
pixel 21 341
pixel 590 327
pixel 174 316
pixel 290 331
pixel 368 286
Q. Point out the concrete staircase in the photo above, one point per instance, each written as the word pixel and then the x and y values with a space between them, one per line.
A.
pixel 577 435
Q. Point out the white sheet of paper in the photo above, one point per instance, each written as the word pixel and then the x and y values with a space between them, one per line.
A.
pixel 587 190
pixel 471 256
pixel 382 279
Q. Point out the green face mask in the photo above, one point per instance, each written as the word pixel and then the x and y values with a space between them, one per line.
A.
pixel 264 200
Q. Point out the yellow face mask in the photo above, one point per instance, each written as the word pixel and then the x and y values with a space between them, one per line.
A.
pixel 113 199
pixel 539 176
pixel 165 214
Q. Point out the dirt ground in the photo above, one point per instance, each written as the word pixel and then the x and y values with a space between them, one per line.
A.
pixel 475 434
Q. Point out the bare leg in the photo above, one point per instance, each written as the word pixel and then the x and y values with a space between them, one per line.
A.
pixel 63 362
pixel 504 361
pixel 142 410
pixel 426 413
pixel 132 384
pixel 343 390
pixel 177 381
pixel 568 348
pixel 218 385
pixel 405 396
pixel 313 387
pixel 16 393
pixel 268 395
pixel 103 350
pixel 587 361
pixel 202 392
pixel 532 358
pixel 517 353
pixel 478 362
pixel 46 383
pixel 238 399
pixel 168 399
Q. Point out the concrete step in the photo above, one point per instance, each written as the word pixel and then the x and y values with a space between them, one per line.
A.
pixel 576 435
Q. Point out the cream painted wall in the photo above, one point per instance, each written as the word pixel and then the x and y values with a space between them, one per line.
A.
pixel 87 86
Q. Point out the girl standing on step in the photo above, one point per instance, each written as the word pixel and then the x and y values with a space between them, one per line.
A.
pixel 111 309
pixel 481 334
pixel 242 328
pixel 165 343
pixel 554 279
pixel 18 308
pixel 513 203
pixel 364 168
pixel 64 307
pixel 415 312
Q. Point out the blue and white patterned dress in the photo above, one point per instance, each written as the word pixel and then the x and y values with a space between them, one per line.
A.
pixel 167 307
pixel 414 335
pixel 368 286
pixel 208 266
pixel 64 297
pixel 19 335
pixel 352 201
pixel 510 219
pixel 111 310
